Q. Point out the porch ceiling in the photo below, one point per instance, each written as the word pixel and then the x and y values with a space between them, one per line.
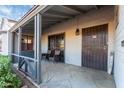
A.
pixel 60 13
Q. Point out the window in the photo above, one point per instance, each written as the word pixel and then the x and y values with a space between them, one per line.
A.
pixel 56 41
pixel 27 42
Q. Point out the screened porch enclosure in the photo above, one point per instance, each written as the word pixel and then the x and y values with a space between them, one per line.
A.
pixel 34 42
pixel 27 48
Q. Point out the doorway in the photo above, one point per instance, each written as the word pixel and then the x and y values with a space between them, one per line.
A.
pixel 57 42
pixel 94 47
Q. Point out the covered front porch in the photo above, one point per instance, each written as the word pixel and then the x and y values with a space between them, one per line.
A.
pixel 60 75
pixel 59 30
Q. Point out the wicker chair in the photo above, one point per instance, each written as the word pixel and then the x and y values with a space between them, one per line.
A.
pixel 50 54
pixel 57 55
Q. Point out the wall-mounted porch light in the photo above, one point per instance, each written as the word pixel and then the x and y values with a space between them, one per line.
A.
pixel 77 32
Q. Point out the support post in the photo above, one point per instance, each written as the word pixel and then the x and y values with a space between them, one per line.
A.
pixel 35 45
pixel 37 48
pixel 10 45
pixel 19 44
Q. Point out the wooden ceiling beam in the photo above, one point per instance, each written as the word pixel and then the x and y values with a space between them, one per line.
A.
pixel 56 15
pixel 70 9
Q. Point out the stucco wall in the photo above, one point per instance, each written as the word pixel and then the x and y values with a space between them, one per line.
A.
pixel 4 47
pixel 73 43
pixel 119 50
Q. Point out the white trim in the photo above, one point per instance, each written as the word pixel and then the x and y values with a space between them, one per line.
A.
pixel 37 46
pixel 31 14
pixel 29 58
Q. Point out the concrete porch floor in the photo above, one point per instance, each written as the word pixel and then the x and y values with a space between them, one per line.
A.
pixel 60 75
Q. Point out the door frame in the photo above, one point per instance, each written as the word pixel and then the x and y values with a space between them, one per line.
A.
pixel 64 41
pixel 106 42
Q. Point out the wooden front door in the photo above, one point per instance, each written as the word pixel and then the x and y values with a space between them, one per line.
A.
pixel 94 47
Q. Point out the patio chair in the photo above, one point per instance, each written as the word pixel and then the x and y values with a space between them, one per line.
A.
pixel 50 54
pixel 57 55
pixel 62 56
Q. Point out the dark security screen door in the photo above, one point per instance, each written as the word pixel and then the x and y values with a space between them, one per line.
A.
pixel 94 47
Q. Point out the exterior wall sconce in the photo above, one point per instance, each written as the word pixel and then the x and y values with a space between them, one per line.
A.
pixel 77 32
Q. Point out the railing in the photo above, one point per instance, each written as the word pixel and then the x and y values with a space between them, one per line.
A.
pixel 26 65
